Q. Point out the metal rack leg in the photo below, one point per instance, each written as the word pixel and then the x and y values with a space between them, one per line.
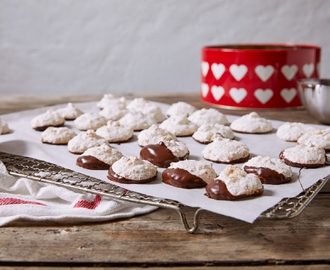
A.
pixel 195 220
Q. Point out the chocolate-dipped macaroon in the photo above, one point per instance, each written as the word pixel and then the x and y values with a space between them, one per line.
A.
pixel 164 153
pixel 50 118
pixel 269 170
pixel 188 174
pixel 132 170
pixel 304 156
pixel 226 151
pixel 234 183
pixel 98 157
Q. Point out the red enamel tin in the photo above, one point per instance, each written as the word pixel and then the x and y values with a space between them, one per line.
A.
pixel 258 76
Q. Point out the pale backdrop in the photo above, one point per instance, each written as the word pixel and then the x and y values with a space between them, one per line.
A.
pixel 140 46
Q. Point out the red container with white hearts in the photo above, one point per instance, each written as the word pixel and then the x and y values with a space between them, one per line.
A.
pixel 258 76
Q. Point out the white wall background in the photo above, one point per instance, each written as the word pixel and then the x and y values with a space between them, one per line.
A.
pixel 126 46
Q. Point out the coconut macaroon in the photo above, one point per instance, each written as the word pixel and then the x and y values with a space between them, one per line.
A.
pixel 153 135
pixel 154 111
pixel 189 174
pixel 179 125
pixel 88 121
pixel 292 131
pixel 207 133
pixel 137 103
pixel 234 183
pixel 109 100
pixel 146 107
pixel 208 116
pixel 317 137
pixel 180 108
pixel 4 128
pixel 304 156
pixel 57 135
pixel 269 170
pixel 99 157
pixel 113 112
pixel 137 121
pixel 114 132
pixel 50 118
pixel 70 111
pixel 164 153
pixel 226 151
pixel 132 170
pixel 84 140
pixel 252 123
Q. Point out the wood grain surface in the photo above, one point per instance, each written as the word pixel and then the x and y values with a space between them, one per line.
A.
pixel 158 239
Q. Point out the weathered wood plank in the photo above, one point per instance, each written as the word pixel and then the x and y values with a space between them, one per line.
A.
pixel 104 266
pixel 159 237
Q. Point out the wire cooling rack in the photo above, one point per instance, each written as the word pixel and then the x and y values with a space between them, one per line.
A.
pixel 46 172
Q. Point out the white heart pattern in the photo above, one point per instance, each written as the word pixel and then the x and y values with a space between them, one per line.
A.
pixel 288 94
pixel 217 92
pixel 308 69
pixel 217 70
pixel 289 71
pixel 238 72
pixel 205 68
pixel 237 94
pixel 204 89
pixel 263 95
pixel 264 72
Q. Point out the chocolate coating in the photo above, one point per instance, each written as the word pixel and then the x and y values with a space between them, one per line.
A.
pixel 117 178
pixel 217 190
pixel 245 132
pixel 268 176
pixel 182 179
pixel 160 155
pixel 43 128
pixel 91 163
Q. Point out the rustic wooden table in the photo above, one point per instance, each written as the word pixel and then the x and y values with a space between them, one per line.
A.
pixel 158 239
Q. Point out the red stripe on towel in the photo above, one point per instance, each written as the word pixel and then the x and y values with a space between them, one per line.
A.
pixel 87 204
pixel 9 201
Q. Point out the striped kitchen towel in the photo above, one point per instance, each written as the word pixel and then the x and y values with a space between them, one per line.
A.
pixel 24 199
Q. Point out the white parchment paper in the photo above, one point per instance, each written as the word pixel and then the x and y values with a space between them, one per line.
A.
pixel 23 140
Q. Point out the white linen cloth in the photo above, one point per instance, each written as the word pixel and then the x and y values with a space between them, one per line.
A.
pixel 21 198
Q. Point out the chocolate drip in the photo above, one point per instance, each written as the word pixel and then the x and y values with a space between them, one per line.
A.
pixel 91 163
pixel 268 176
pixel 182 179
pixel 159 155
pixel 217 190
pixel 117 178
